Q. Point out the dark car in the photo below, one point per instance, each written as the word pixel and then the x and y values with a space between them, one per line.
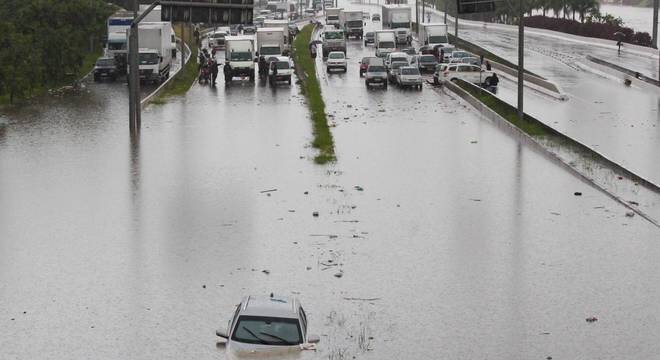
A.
pixel 364 64
pixel 249 30
pixel 410 51
pixel 426 63
pixel 369 38
pixel 105 67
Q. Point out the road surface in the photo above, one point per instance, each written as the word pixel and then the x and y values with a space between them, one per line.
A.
pixel 454 240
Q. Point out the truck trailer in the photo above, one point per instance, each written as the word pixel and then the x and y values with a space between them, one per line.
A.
pixel 385 42
pixel 332 16
pixel 270 41
pixel 155 58
pixel 333 40
pixel 281 24
pixel 396 16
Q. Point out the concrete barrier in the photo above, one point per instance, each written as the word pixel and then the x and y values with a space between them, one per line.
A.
pixel 620 71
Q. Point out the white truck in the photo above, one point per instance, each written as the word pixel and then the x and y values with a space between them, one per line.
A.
pixel 332 16
pixel 396 16
pixel 385 42
pixel 433 34
pixel 270 41
pixel 351 22
pixel 281 24
pixel 155 58
pixel 116 45
pixel 239 54
pixel 333 40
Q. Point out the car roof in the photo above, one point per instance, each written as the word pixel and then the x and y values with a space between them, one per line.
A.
pixel 397 53
pixel 275 306
pixel 408 67
pixel 336 52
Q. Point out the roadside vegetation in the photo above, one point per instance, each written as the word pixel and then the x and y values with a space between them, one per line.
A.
pixel 577 17
pixel 305 68
pixel 184 79
pixel 47 44
pixel 529 125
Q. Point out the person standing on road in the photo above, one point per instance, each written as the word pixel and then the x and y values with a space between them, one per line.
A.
pixel 312 50
pixel 442 56
pixel 487 65
pixel 196 35
pixel 214 71
pixel 227 72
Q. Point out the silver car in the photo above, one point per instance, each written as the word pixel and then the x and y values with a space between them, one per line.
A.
pixel 266 325
pixel 409 76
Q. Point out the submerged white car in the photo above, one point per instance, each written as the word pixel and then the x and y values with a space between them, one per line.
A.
pixel 267 325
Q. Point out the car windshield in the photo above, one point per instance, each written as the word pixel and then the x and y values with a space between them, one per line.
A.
pixel 401 32
pixel 240 56
pixel 409 71
pixel 332 35
pixel 397 65
pixel 270 50
pixel 386 45
pixel 333 17
pixel 355 23
pixel 369 35
pixel 219 36
pixel 267 331
pixel 118 45
pixel 399 59
pixel 427 59
pixel 282 65
pixel 376 68
pixel 148 59
pixel 336 55
pixel 105 62
pixel 437 39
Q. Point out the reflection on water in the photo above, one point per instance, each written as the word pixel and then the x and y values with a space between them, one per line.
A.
pixel 637 18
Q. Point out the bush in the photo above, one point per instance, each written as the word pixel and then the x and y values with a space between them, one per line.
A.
pixel 597 30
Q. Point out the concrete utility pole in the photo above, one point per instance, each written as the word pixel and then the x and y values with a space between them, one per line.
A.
pixel 655 23
pixel 134 73
pixel 521 58
pixel 446 2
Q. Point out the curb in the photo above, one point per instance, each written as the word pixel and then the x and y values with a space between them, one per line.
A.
pixel 628 74
pixel 511 129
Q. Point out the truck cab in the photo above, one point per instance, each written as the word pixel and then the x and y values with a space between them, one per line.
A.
pixel 333 40
pixel 434 35
pixel 150 62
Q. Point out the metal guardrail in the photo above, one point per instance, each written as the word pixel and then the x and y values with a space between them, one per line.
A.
pixel 171 78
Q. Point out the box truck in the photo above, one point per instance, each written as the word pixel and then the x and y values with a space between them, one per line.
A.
pixel 155 58
pixel 396 16
pixel 332 16
pixel 351 22
pixel 333 40
pixel 433 34
pixel 270 41
pixel 240 55
pixel 385 42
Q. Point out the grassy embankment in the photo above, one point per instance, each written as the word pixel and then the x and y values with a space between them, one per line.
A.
pixel 184 79
pixel 305 68
pixel 529 125
pixel 87 65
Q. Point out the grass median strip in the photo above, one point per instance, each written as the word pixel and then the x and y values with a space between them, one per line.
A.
pixel 306 70
pixel 529 125
pixel 182 81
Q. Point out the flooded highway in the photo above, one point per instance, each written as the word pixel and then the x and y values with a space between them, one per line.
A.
pixel 438 235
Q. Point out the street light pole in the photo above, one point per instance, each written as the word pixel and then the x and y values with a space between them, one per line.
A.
pixel 521 58
pixel 655 23
pixel 134 73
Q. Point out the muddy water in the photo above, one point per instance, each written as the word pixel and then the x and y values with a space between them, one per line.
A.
pixel 453 239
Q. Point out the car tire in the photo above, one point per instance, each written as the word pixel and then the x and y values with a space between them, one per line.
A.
pixel 365 43
pixel 436 81
pixel 289 81
pixel 97 78
pixel 385 85
pixel 345 69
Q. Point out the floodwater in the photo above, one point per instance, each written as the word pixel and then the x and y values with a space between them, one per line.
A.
pixel 454 240
pixel 635 17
